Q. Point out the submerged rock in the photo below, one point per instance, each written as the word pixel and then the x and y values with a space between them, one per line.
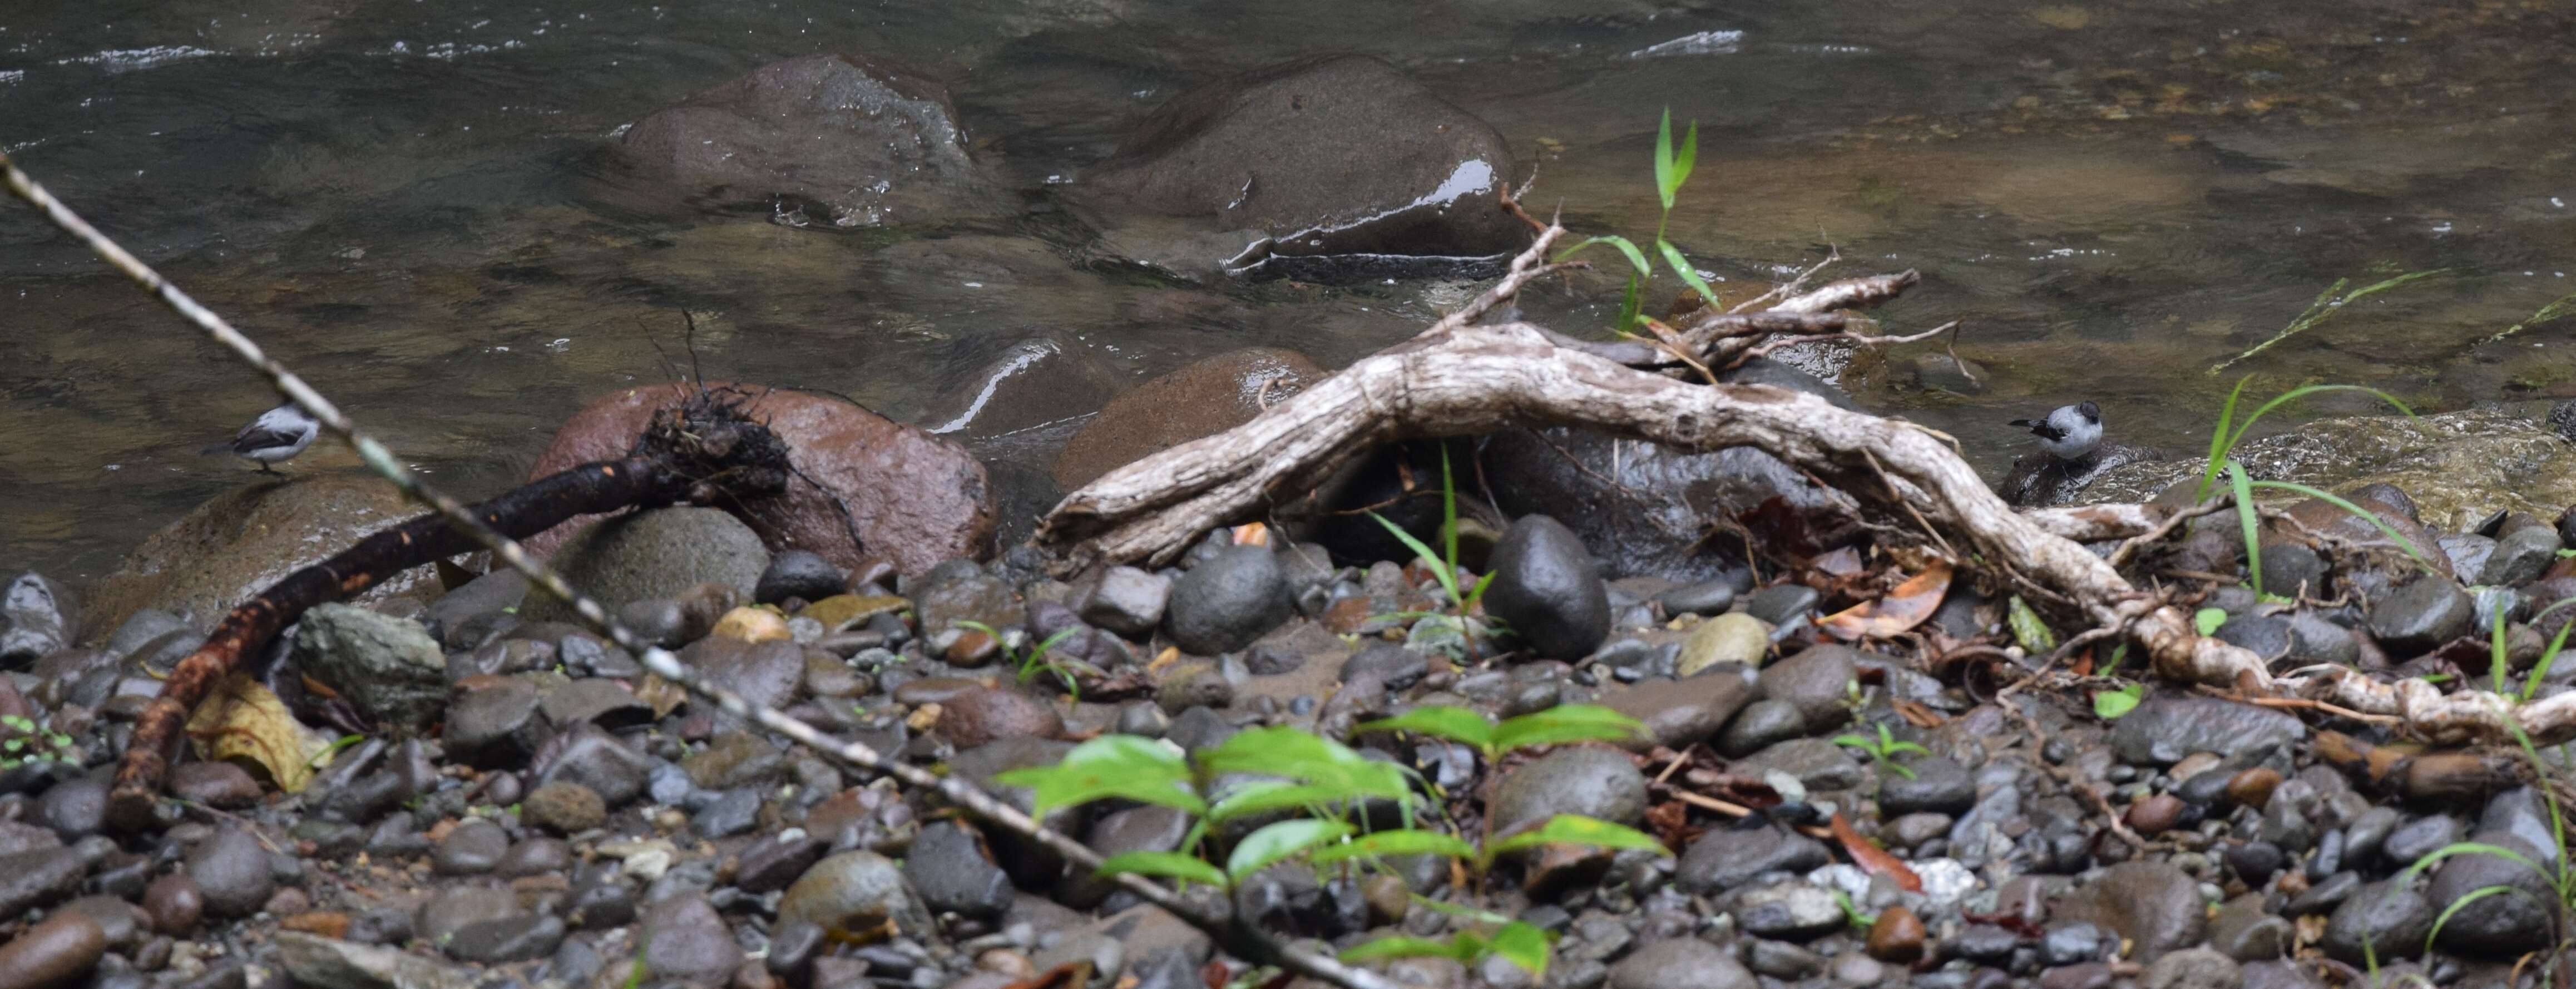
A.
pixel 1201 399
pixel 2039 479
pixel 833 140
pixel 1340 155
pixel 913 498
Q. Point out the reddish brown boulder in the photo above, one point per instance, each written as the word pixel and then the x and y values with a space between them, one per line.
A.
pixel 1202 399
pixel 914 498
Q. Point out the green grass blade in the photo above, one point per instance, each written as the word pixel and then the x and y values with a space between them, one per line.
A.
pixel 2465 848
pixel 1456 724
pixel 2540 670
pixel 1277 842
pixel 1523 944
pixel 2557 822
pixel 2565 306
pixel 2221 440
pixel 1576 829
pixel 1405 842
pixel 2326 306
pixel 1665 184
pixel 1687 157
pixel 1636 258
pixel 1172 865
pixel 1448 580
pixel 2473 896
pixel 1449 525
pixel 1681 266
pixel 1406 947
pixel 2248 521
pixel 2366 515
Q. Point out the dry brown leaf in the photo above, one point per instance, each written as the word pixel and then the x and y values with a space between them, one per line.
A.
pixel 1873 859
pixel 1252 534
pixel 1903 608
pixel 241 721
pixel 663 695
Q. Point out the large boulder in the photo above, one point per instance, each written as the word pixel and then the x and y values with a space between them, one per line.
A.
pixel 243 540
pixel 843 139
pixel 1340 155
pixel 914 498
pixel 2458 467
pixel 659 553
pixel 1202 399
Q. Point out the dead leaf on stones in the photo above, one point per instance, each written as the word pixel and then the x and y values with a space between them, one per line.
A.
pixel 664 696
pixel 242 721
pixel 842 612
pixel 1873 859
pixel 1903 608
pixel 753 624
pixel 1252 534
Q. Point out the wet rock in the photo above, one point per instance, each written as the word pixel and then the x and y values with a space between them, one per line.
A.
pixel 2383 916
pixel 1547 591
pixel 979 716
pixel 1678 713
pixel 1707 597
pixel 53 953
pixel 1818 680
pixel 37 617
pixel 1939 785
pixel 1121 599
pixel 1201 399
pixel 915 499
pixel 1137 829
pixel 2420 616
pixel 215 784
pixel 74 808
pixel 1794 911
pixel 330 963
pixel 473 848
pixel 502 941
pixel 1680 963
pixel 1729 638
pixel 2412 841
pixel 837 140
pixel 1328 156
pixel 2244 931
pixel 851 892
pixel 464 617
pixel 456 908
pixel 2495 925
pixel 497 726
pixel 174 904
pixel 2524 813
pixel 797 573
pixel 2520 557
pixel 1816 762
pixel 600 763
pixel 595 699
pixel 1642 508
pixel 1224 603
pixel 1781 604
pixel 1593 782
pixel 1896 936
pixel 1761 725
pixel 2195 968
pixel 2289 567
pixel 2151 903
pixel 2168 726
pixel 2039 479
pixel 38 878
pixel 564 807
pixel 236 544
pixel 654 554
pixel 387 667
pixel 232 873
pixel 731 759
pixel 685 940
pixel 766 674
pixel 1726 858
pixel 2266 636
pixel 947 867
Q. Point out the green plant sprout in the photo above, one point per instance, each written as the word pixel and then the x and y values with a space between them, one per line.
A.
pixel 2109 705
pixel 30 743
pixel 1297 772
pixel 2559 875
pixel 2229 433
pixel 2327 304
pixel 1884 749
pixel 1851 912
pixel 1672 168
pixel 1035 659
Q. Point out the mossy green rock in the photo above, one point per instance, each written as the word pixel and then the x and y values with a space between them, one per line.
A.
pixel 388 668
pixel 1734 637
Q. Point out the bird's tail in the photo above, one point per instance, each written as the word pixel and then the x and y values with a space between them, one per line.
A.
pixel 2023 423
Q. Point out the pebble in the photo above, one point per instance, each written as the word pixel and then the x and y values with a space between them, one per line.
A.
pixel 850 892
pixel 174 904
pixel 1708 597
pixel 1227 601
pixel 797 573
pixel 563 807
pixel 2253 787
pixel 1122 599
pixel 1593 782
pixel 975 717
pixel 215 784
pixel 1939 785
pixel 1733 637
pixel 1760 725
pixel 497 725
pixel 947 867
pixel 1896 936
pixel 2496 924
pixel 599 762
pixel 2244 931
pixel 56 952
pixel 2154 904
pixel 1779 604
pixel 2420 616
pixel 2394 919
pixel 684 939
pixel 2194 968
pixel 75 807
pixel 1547 589
pixel 1818 680
pixel 232 874
pixel 1793 911
pixel 2410 842
pixel 1678 713
pixel 2520 557
pixel 472 848
pixel 1680 963
pixel 2168 726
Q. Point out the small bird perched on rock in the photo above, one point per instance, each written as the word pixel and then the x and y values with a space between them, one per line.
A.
pixel 275 437
pixel 2069 433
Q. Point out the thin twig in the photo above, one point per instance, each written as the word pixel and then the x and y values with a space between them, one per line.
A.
pixel 2121 555
pixel 383 462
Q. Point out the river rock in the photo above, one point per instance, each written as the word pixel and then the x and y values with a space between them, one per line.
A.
pixel 2152 903
pixel 654 554
pixel 1200 399
pixel 1593 782
pixel 1122 599
pixel 2496 925
pixel 851 892
pixel 1039 384
pixel 599 762
pixel 2382 918
pixel 915 499
pixel 1680 963
pixel 2168 726
pixel 764 673
pixel 843 139
pixel 1679 712
pixel 797 573
pixel 388 668
pixel 1759 726
pixel 2421 616
pixel 331 963
pixel 1724 858
pixel 1224 603
pixel 683 939
pixel 947 866
pixel 236 544
pixel 1793 911
pixel 1334 155
pixel 231 871
pixel 1734 637
pixel 1818 680
pixel 53 953
pixel 1547 591
pixel 38 878
pixel 497 725
pixel 982 715
pixel 37 616
pixel 2040 479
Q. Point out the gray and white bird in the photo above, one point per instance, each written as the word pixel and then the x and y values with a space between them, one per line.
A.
pixel 275 437
pixel 2072 432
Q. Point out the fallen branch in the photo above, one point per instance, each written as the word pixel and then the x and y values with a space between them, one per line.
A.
pixel 127 806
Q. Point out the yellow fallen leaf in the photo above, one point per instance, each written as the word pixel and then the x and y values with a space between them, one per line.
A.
pixel 843 611
pixel 663 695
pixel 242 721
pixel 753 625
pixel 1903 608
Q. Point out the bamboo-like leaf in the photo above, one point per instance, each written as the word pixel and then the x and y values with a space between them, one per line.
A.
pixel 1409 841
pixel 1448 580
pixel 1681 266
pixel 1636 258
pixel 2365 514
pixel 1684 158
pixel 2110 704
pixel 1259 796
pixel 1126 766
pixel 1276 843
pixel 2247 521
pixel 1456 724
pixel 1566 723
pixel 1406 947
pixel 1282 751
pixel 1665 184
pixel 1523 944
pixel 1170 864
pixel 1576 829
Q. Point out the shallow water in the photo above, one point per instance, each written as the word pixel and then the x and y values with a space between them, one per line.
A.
pixel 401 200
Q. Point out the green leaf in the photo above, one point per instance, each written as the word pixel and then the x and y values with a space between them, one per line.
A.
pixel 1409 841
pixel 1277 842
pixel 1632 304
pixel 2221 440
pixel 1169 864
pixel 1576 829
pixel 1681 266
pixel 2466 848
pixel 1456 724
pixel 1258 796
pixel 1636 258
pixel 1567 723
pixel 2027 629
pixel 2118 653
pixel 1665 183
pixel 1684 158
pixel 1407 947
pixel 1523 945
pixel 2111 704
pixel 1299 755
pixel 2365 515
pixel 2207 620
pixel 1857 742
pixel 1476 593
pixel 1448 580
pixel 2247 521
pixel 1138 769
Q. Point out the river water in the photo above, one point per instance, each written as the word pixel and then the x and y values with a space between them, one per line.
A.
pixel 399 199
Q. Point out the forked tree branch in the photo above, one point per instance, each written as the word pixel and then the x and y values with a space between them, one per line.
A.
pixel 1218 922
